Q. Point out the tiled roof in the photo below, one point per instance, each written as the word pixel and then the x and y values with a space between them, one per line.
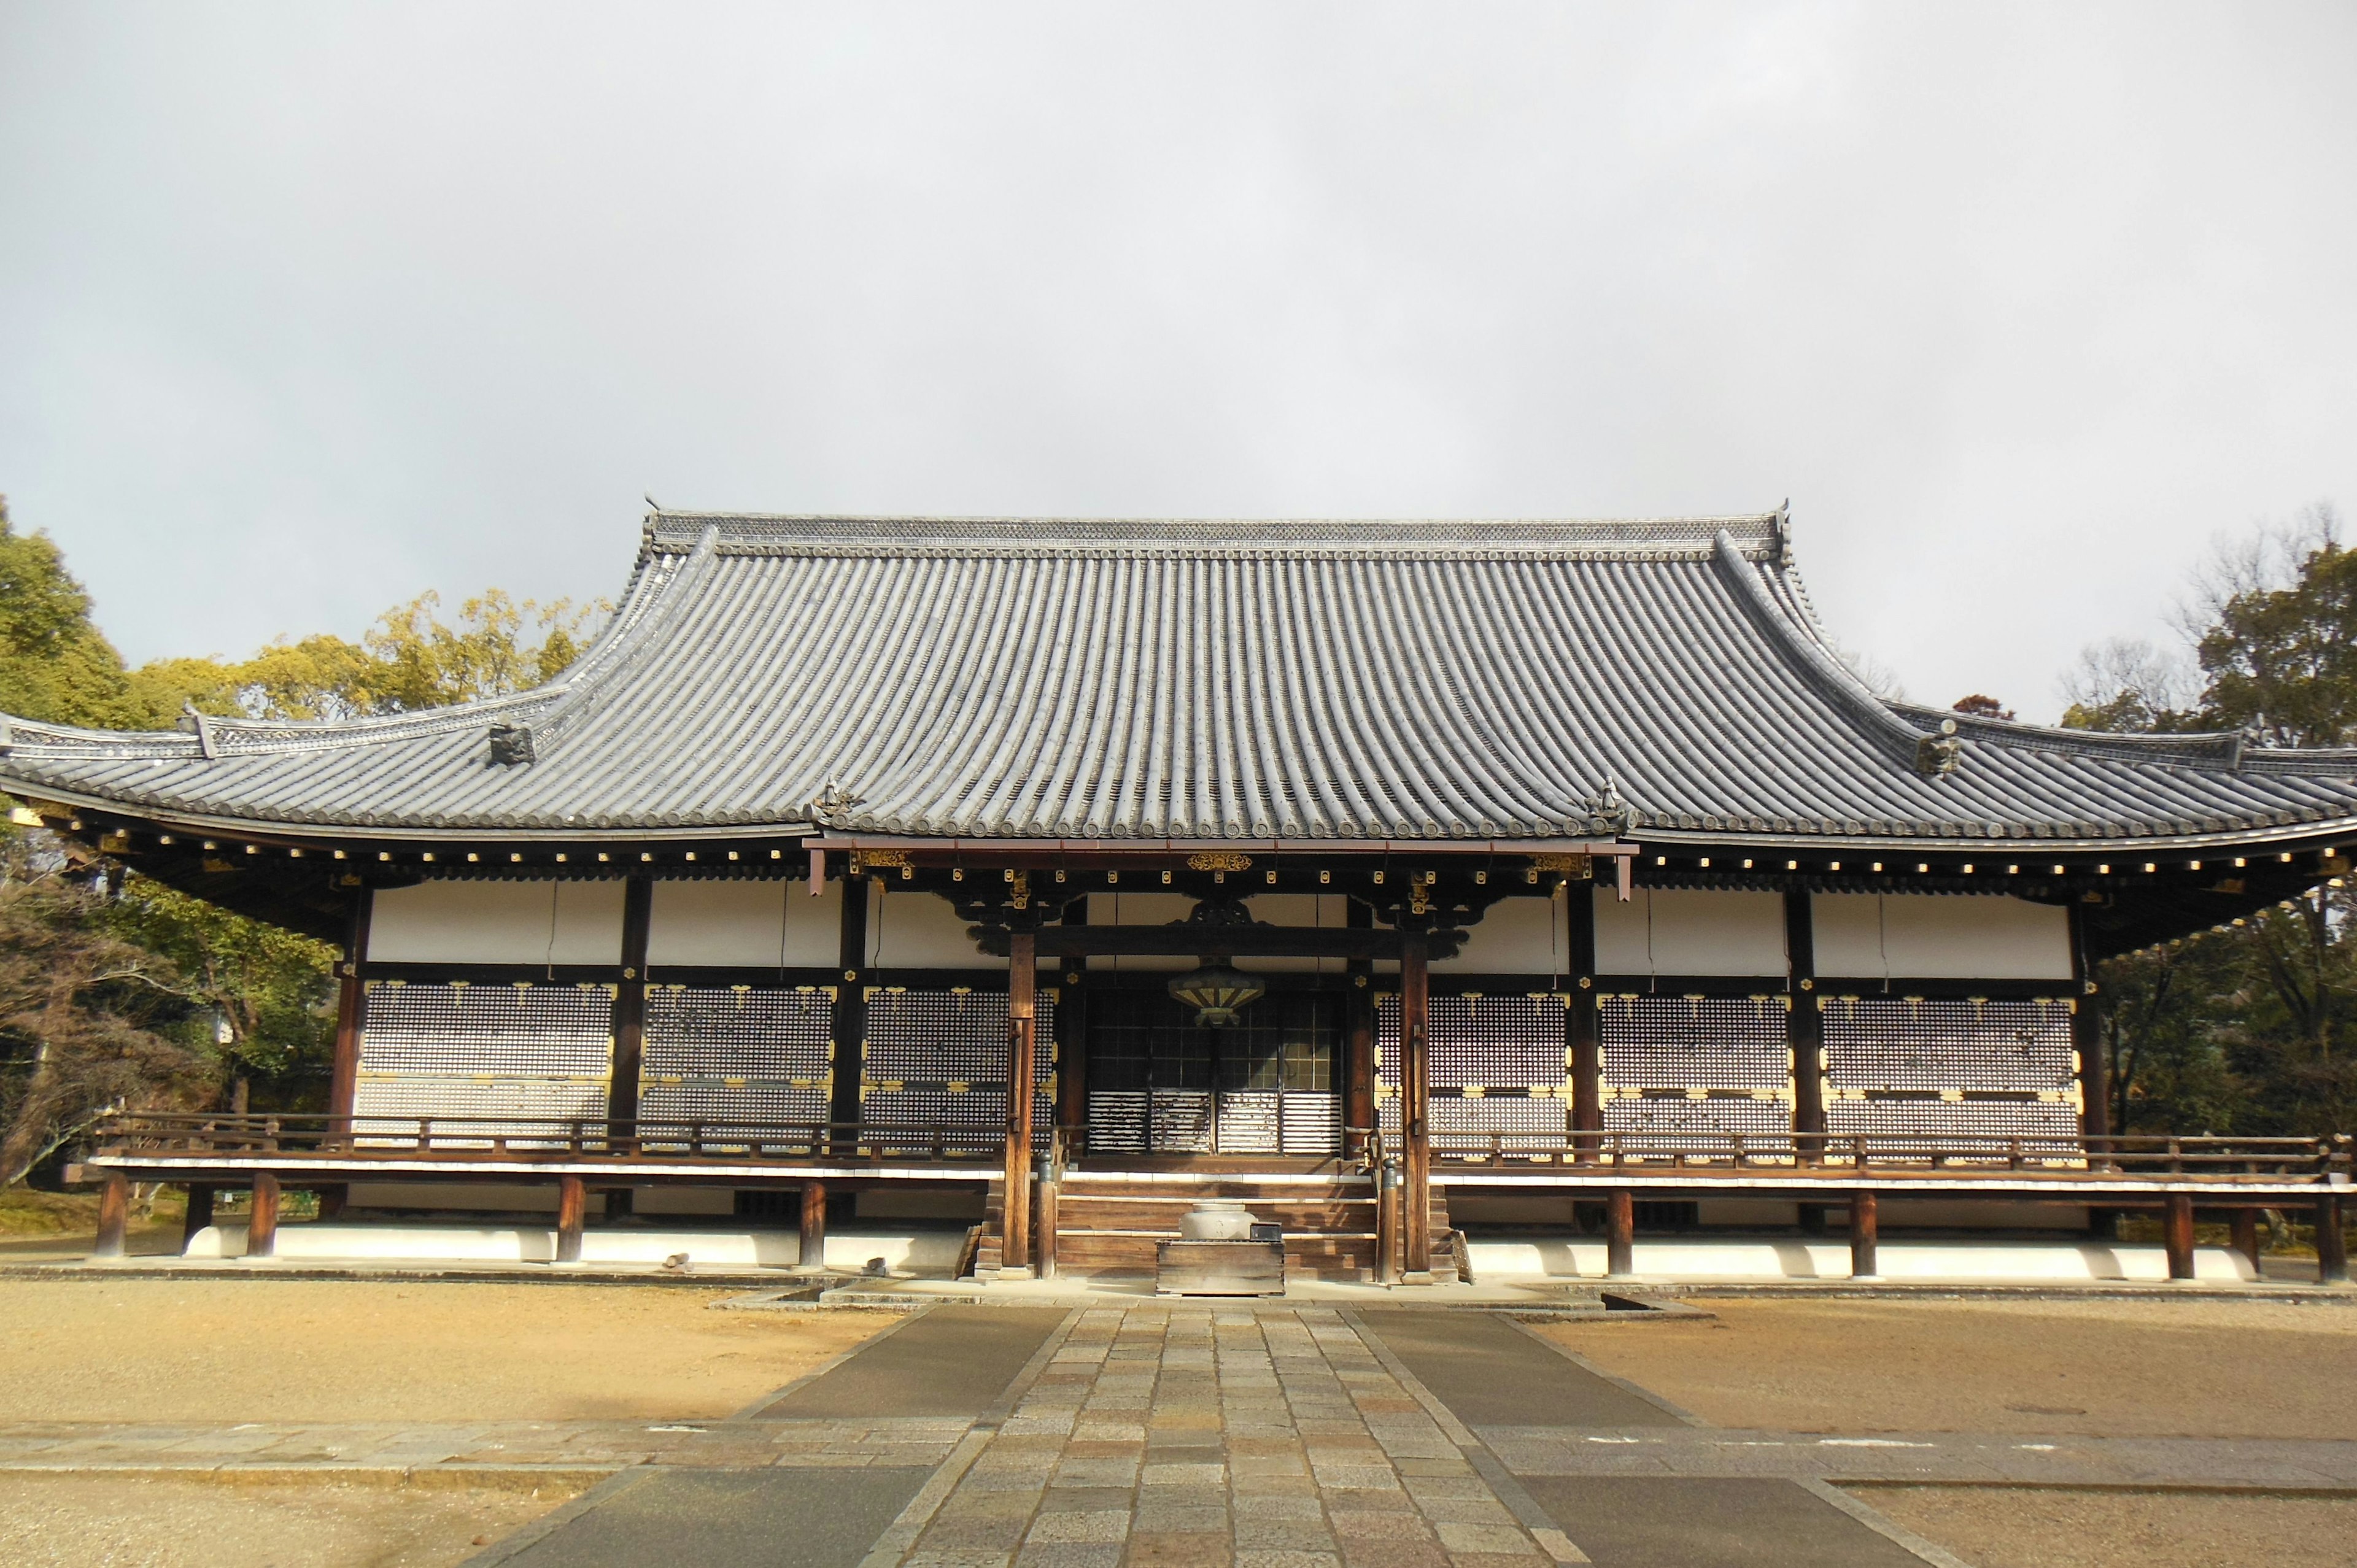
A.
pixel 1203 680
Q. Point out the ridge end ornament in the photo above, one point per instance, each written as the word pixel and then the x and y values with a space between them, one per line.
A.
pixel 1937 755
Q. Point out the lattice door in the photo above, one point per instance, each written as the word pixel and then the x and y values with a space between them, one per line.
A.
pixel 738 1059
pixel 1912 1069
pixel 1692 1071
pixel 464 1051
pixel 1499 1068
pixel 938 1060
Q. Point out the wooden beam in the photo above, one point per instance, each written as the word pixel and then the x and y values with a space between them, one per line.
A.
pixel 1223 941
pixel 1619 1233
pixel 261 1224
pixel 849 1021
pixel 811 1252
pixel 1415 1106
pixel 1022 1047
pixel 1865 1237
pixel 113 1216
pixel 572 1212
pixel 2331 1245
pixel 2177 1234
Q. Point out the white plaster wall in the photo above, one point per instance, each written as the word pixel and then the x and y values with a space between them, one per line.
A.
pixel 1315 911
pixel 919 931
pixel 1939 937
pixel 743 924
pixel 1680 931
pixel 1518 936
pixel 498 922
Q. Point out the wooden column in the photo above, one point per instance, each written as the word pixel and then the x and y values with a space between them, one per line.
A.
pixel 2087 1038
pixel 2177 1235
pixel 199 1213
pixel 1619 1233
pixel 811 1253
pixel 1358 1041
pixel 113 1217
pixel 2331 1246
pixel 1583 1047
pixel 262 1225
pixel 572 1212
pixel 1805 1025
pixel 850 1017
pixel 629 1020
pixel 352 1002
pixel 1044 1226
pixel 1415 1106
pixel 1072 1041
pixel 1388 1184
pixel 1022 1048
pixel 1865 1236
pixel 2246 1235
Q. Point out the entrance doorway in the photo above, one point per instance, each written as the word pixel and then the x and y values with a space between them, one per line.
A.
pixel 1160 1085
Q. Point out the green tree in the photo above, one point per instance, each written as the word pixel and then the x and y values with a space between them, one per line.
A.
pixel 55 666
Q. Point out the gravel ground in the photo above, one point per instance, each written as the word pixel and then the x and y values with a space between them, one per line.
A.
pixel 2122 1369
pixel 231 1350
pixel 2037 1528
pixel 113 1521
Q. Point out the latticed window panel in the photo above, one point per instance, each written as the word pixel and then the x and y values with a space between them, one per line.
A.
pixel 1202 1121
pixel 387 1108
pixel 1933 1044
pixel 937 1059
pixel 1502 1047
pixel 739 1033
pixel 2044 1126
pixel 1671 1122
pixel 1695 1042
pixel 531 1030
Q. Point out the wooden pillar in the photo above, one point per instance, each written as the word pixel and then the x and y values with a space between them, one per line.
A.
pixel 1022 1047
pixel 2177 1235
pixel 572 1212
pixel 850 1016
pixel 2087 1038
pixel 113 1216
pixel 2331 1246
pixel 1805 1025
pixel 1358 1041
pixel 2246 1235
pixel 199 1213
pixel 1583 1045
pixel 1388 1186
pixel 1865 1236
pixel 1072 1041
pixel 1619 1233
pixel 811 1253
pixel 630 1024
pixel 1415 1106
pixel 351 1003
pixel 262 1225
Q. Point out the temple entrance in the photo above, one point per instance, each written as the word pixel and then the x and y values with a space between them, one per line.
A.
pixel 1159 1085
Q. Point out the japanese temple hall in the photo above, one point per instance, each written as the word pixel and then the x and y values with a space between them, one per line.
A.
pixel 1043 876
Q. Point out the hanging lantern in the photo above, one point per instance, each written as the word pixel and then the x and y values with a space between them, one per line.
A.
pixel 1218 993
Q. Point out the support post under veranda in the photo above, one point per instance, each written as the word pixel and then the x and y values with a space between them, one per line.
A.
pixel 1022 1047
pixel 113 1216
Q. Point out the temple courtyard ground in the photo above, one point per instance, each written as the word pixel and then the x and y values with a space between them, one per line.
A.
pixel 296 1422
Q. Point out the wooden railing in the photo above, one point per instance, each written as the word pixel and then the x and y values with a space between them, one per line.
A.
pixel 413 1138
pixel 2133 1155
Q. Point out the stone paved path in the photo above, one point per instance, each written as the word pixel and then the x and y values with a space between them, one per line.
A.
pixel 1262 1436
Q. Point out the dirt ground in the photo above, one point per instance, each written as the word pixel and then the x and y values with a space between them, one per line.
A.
pixel 2193 1369
pixel 1995 1528
pixel 117 1521
pixel 230 1350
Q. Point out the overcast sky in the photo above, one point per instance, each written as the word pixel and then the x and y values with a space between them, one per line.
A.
pixel 306 309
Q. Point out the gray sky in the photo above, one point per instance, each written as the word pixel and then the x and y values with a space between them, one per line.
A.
pixel 305 308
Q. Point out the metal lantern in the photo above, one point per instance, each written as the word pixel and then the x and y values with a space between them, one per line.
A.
pixel 1218 993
